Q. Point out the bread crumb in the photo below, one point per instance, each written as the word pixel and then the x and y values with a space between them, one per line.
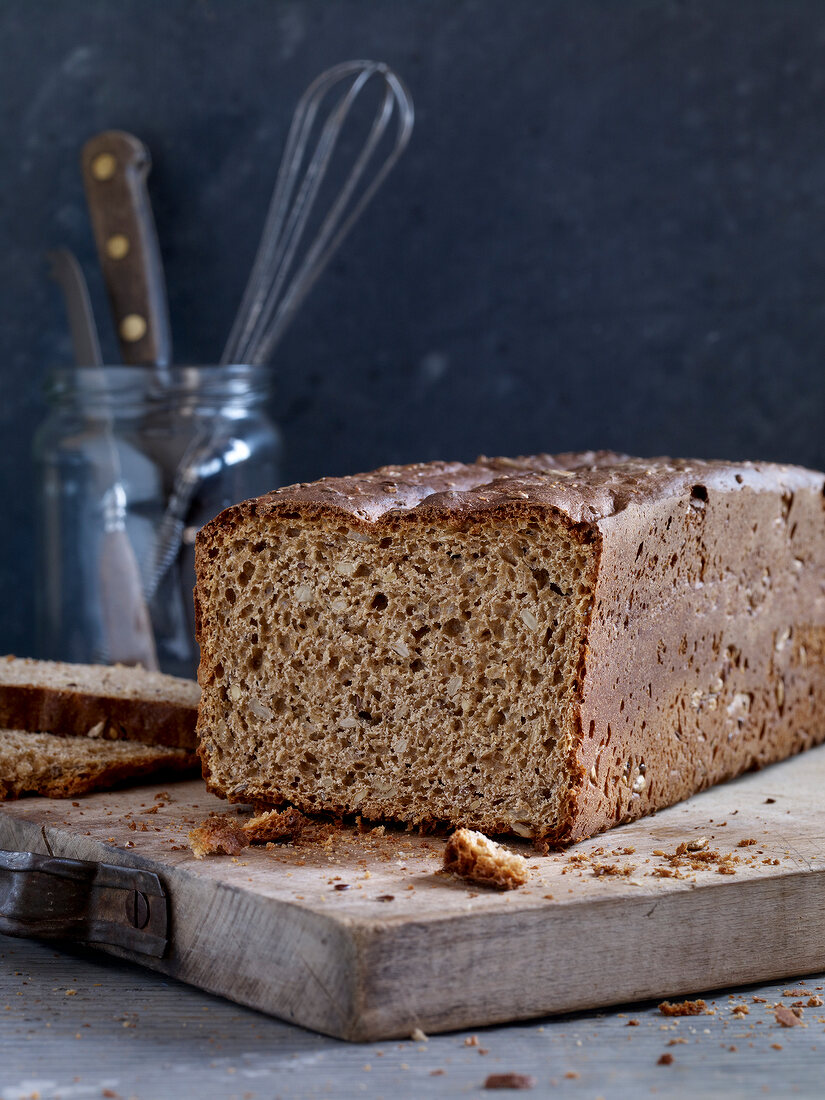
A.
pixel 475 857
pixel 220 835
pixel 273 825
pixel 418 1036
pixel 510 1081
pixel 785 1017
pixel 665 1060
pixel 600 869
pixel 225 835
pixel 683 1008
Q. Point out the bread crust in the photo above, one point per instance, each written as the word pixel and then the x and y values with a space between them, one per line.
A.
pixel 68 712
pixel 638 744
pixel 97 775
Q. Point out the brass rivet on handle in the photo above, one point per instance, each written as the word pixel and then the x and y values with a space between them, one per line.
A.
pixel 117 246
pixel 104 166
pixel 132 328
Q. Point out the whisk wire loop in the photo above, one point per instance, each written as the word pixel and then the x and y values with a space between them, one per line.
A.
pixel 267 308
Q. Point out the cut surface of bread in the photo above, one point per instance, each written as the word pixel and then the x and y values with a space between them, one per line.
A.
pixel 545 645
pixel 60 767
pixel 112 702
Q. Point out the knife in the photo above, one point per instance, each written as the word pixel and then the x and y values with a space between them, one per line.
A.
pixel 115 168
pixel 66 271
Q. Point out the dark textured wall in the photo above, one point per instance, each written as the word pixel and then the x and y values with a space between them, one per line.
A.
pixel 607 231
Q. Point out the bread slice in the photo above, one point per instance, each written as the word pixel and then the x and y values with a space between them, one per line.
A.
pixel 106 701
pixel 60 767
pixel 544 645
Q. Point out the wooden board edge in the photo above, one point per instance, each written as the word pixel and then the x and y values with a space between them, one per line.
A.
pixel 472 971
pixel 270 955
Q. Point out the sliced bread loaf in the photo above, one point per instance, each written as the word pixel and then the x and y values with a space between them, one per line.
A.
pixel 110 702
pixel 545 645
pixel 60 767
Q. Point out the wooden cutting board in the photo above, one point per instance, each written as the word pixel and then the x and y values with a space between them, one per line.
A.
pixel 407 947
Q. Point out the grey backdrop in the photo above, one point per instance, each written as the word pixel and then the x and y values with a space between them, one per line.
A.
pixel 607 232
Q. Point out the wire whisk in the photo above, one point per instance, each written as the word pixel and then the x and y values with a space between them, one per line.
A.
pixel 282 275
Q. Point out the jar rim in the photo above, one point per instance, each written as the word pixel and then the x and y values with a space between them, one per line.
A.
pixel 131 386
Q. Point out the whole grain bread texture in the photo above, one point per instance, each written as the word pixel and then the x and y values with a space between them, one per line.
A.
pixel 111 702
pixel 548 645
pixel 61 767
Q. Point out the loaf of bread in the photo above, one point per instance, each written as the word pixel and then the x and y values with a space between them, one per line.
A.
pixel 113 702
pixel 546 645
pixel 62 767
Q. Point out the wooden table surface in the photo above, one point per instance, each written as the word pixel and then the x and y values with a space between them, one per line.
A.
pixel 77 1024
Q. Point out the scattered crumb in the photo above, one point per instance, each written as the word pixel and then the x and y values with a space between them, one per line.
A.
pixel 220 835
pixel 814 1002
pixel 741 1010
pixel 274 825
pixel 683 1008
pixel 473 856
pixel 437 1073
pixel 696 845
pixel 665 1060
pixel 746 843
pixel 225 835
pixel 632 1023
pixel 786 1017
pixel 676 1042
pixel 418 1036
pixel 510 1081
pixel 471 1041
pixel 572 1075
pixel 775 1046
pixel 618 869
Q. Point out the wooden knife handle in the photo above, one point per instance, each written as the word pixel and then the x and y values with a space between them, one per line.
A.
pixel 115 166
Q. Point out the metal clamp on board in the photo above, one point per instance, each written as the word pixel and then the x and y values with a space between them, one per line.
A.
pixel 95 903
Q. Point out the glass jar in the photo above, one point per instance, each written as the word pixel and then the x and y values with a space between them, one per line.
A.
pixel 132 462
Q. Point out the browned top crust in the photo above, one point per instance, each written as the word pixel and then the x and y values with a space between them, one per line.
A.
pixel 585 487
